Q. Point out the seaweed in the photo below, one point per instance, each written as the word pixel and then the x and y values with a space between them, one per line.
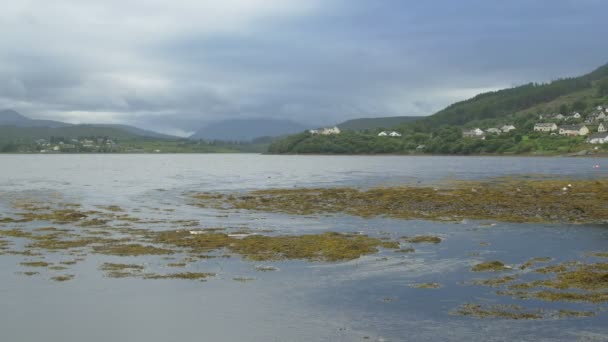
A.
pixel 63 278
pixel 426 286
pixel 184 275
pixel 514 312
pixel 130 250
pixel 489 266
pixel 35 264
pixel 506 200
pixel 422 239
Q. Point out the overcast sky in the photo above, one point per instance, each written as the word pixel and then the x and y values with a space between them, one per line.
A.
pixel 173 65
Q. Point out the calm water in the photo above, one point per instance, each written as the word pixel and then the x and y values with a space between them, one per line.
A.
pixel 365 299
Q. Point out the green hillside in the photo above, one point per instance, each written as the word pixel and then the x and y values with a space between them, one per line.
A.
pixel 30 134
pixel 376 123
pixel 110 139
pixel 442 132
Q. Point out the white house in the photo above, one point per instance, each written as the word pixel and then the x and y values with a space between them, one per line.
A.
pixel 574 130
pixel 602 128
pixel 329 131
pixel 507 128
pixel 325 131
pixel 559 116
pixel 576 115
pixel 394 134
pixel 493 130
pixel 598 138
pixel 545 127
pixel 474 133
pixel 382 134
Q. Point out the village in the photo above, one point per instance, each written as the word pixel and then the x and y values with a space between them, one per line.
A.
pixel 594 126
pixel 81 144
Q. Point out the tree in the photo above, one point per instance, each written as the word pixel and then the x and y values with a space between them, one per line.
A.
pixel 603 88
pixel 579 105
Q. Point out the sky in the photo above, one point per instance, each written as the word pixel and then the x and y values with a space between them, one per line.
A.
pixel 173 66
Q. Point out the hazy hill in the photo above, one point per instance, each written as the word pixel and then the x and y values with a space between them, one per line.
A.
pixel 16 126
pixel 577 93
pixel 12 118
pixel 247 129
pixel 375 123
pixel 135 130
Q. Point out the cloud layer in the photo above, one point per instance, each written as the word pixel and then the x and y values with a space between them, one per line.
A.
pixel 171 66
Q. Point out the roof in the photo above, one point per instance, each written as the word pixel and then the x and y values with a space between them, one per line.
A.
pixel 599 135
pixel 572 127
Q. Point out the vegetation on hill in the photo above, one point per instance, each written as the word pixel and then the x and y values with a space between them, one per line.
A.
pixel 376 123
pixel 442 133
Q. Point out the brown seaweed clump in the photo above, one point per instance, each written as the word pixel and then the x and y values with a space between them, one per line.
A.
pixel 320 247
pixel 184 275
pixel 565 282
pixel 426 286
pixel 502 199
pixel 490 266
pixel 423 239
pixel 497 311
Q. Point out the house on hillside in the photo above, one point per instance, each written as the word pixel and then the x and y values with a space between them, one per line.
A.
pixel 493 130
pixel 545 127
pixel 325 131
pixel 330 131
pixel 394 134
pixel 474 133
pixel 573 130
pixel 507 128
pixel 382 134
pixel 598 138
pixel 602 128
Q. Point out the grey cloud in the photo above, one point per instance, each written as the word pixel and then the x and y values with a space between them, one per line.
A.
pixel 172 67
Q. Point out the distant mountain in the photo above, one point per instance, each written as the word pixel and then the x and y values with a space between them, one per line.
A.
pixel 375 123
pixel 18 122
pixel 247 129
pixel 136 131
pixel 9 117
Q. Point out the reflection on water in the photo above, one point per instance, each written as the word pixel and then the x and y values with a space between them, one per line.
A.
pixel 371 298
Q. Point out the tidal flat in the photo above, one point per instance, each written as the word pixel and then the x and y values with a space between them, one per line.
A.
pixel 233 255
pixel 504 199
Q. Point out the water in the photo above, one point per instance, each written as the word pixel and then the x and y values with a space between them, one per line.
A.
pixel 366 299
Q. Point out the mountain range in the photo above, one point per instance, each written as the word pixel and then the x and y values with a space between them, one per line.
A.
pixel 17 125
